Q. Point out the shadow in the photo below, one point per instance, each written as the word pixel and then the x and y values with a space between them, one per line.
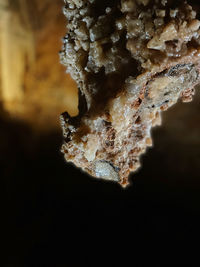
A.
pixel 50 205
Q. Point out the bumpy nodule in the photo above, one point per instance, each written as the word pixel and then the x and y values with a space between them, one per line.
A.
pixel 131 60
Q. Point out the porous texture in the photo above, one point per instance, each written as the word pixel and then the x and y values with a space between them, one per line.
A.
pixel 131 60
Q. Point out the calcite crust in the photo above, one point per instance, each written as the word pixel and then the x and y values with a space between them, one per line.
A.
pixel 131 59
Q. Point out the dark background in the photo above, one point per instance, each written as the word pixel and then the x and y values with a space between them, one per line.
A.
pixel 49 205
pixel 53 213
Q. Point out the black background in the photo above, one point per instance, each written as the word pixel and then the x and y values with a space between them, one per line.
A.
pixel 54 213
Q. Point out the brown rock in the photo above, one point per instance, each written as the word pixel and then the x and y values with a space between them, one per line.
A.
pixel 125 81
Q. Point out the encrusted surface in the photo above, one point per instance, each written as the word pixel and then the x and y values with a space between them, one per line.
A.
pixel 131 60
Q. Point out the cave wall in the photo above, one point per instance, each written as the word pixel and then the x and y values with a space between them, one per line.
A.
pixel 33 84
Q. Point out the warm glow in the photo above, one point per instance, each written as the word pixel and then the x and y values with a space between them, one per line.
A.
pixel 33 84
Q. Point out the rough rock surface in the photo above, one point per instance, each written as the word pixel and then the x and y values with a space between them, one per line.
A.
pixel 131 60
